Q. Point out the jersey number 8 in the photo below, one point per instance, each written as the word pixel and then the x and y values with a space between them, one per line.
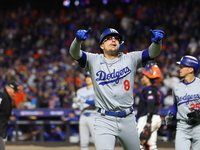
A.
pixel 126 85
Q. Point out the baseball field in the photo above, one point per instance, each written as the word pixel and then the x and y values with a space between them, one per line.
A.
pixel 65 146
pixel 32 147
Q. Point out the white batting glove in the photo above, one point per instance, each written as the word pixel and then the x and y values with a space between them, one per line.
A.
pixel 76 99
pixel 75 105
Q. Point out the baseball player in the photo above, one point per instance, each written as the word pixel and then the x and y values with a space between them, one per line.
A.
pixel 6 102
pixel 148 107
pixel 85 102
pixel 113 74
pixel 186 107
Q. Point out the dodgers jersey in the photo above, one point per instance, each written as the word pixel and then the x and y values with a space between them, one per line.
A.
pixel 113 79
pixel 186 96
pixel 84 94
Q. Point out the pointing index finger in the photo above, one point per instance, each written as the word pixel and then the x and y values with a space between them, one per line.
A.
pixel 88 31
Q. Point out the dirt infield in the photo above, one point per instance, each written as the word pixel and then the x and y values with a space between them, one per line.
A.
pixel 32 147
pixel 66 146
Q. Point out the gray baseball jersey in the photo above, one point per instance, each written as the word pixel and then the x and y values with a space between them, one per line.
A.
pixel 86 94
pixel 113 82
pixel 86 121
pixel 186 96
pixel 113 79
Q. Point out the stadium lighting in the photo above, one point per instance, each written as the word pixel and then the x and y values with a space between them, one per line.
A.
pixel 76 3
pixel 66 3
pixel 105 2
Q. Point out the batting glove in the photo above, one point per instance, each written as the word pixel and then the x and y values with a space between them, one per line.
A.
pixel 75 105
pixel 157 35
pixel 169 118
pixel 82 35
pixel 76 99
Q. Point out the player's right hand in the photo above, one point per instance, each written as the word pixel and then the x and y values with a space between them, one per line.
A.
pixel 75 105
pixel 82 35
pixel 168 118
pixel 157 35
pixel 76 99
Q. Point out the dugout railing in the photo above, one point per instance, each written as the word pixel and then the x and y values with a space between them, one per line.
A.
pixel 49 113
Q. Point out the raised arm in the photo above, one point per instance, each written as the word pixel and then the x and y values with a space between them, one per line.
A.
pixel 75 47
pixel 156 46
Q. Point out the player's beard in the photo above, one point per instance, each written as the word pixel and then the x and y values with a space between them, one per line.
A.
pixel 112 52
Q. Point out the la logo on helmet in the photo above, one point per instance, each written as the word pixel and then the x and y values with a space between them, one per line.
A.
pixel 113 30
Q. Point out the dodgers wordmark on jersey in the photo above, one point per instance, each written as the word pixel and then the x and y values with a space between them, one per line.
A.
pixel 109 74
pixel 187 96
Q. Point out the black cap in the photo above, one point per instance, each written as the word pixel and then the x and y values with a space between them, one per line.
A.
pixel 13 85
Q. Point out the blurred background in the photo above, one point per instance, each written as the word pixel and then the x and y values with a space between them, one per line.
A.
pixel 35 37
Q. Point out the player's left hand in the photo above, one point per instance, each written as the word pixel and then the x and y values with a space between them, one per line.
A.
pixel 194 114
pixel 157 35
pixel 168 118
pixel 194 118
pixel 142 142
pixel 145 134
pixel 82 35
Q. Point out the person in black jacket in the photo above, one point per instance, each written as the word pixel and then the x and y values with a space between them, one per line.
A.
pixel 148 106
pixel 6 98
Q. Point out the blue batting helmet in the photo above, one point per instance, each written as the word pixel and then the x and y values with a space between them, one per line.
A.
pixel 189 61
pixel 109 32
pixel 87 74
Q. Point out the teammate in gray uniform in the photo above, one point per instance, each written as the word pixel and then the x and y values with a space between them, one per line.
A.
pixel 186 107
pixel 113 75
pixel 85 102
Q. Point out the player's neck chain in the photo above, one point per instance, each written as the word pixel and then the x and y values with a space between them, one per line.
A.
pixel 113 62
pixel 108 65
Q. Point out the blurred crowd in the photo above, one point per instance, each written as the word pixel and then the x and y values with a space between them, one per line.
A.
pixel 35 42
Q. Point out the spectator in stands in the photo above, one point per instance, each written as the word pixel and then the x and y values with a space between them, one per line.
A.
pixel 62 94
pixel 54 102
pixel 19 98
pixel 43 99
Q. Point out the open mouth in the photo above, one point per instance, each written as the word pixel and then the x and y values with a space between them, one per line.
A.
pixel 113 45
